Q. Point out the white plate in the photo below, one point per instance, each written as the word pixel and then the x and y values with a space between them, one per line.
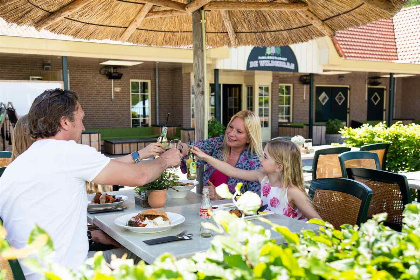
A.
pixel 176 219
pixel 94 206
pixel 231 206
pixel 182 191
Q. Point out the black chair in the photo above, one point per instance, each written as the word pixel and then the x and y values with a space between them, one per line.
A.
pixel 358 159
pixel 2 170
pixel 326 164
pixel 355 124
pixel 381 149
pixel 283 138
pixel 340 201
pixel 5 158
pixel 390 193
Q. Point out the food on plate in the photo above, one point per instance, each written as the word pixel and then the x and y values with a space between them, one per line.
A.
pixel 237 212
pixel 102 198
pixel 186 183
pixel 150 218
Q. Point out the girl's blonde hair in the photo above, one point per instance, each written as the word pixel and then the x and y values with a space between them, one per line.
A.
pixel 287 154
pixel 21 138
pixel 253 130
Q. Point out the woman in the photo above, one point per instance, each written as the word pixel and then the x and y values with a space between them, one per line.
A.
pixel 21 139
pixel 240 147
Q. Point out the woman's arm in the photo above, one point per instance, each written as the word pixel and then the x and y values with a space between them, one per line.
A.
pixel 227 169
pixel 300 201
pixel 153 149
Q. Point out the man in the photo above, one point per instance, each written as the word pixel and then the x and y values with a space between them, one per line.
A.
pixel 45 185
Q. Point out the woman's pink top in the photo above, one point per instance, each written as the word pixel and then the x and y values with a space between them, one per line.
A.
pixel 277 201
pixel 218 178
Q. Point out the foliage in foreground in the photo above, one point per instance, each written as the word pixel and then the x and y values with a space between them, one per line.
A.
pixel 404 149
pixel 247 251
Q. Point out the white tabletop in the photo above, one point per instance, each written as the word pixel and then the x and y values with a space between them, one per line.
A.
pixel 180 249
pixel 413 179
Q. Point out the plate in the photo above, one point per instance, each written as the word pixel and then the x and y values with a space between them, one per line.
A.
pixel 176 219
pixel 182 191
pixel 94 206
pixel 231 206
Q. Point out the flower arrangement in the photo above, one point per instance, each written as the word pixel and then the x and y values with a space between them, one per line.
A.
pixel 298 140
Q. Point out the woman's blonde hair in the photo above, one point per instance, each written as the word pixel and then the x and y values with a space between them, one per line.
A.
pixel 287 154
pixel 21 138
pixel 253 130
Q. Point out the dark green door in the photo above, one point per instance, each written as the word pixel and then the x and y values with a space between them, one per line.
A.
pixel 231 101
pixel 331 103
pixel 375 104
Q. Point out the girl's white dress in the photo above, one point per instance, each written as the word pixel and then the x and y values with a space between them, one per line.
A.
pixel 277 201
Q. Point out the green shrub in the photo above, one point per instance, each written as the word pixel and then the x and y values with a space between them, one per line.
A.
pixel 404 150
pixel 215 128
pixel 244 250
pixel 333 126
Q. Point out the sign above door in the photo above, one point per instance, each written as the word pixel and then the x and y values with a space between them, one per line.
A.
pixel 279 59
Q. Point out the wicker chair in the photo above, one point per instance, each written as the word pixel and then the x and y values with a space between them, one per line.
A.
pixel 381 149
pixel 340 201
pixel 5 158
pixel 390 193
pixel 357 159
pixel 325 163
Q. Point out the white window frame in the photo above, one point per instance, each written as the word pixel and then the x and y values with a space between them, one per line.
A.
pixel 247 87
pixel 150 99
pixel 291 102
pixel 264 107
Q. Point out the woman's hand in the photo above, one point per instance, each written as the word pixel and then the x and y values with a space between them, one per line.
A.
pixel 212 191
pixel 199 153
pixel 153 149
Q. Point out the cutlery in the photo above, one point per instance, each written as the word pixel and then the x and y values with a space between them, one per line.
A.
pixel 98 211
pixel 179 237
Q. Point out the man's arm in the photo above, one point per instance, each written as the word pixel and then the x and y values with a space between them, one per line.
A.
pixel 122 173
pixel 153 149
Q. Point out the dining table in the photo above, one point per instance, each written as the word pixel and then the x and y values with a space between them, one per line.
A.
pixel 189 208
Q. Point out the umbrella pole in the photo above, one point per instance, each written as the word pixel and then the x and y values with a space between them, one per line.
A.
pixel 200 82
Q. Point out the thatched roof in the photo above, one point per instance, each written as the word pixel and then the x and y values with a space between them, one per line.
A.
pixel 169 23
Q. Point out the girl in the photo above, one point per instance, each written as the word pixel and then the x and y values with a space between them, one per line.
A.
pixel 280 177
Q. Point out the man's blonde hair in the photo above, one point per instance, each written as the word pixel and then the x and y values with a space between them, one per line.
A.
pixel 287 154
pixel 253 130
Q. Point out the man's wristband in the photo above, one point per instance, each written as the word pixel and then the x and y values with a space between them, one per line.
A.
pixel 89 235
pixel 136 157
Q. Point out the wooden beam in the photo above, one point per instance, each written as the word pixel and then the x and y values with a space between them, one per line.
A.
pixel 136 22
pixel 229 5
pixel 61 13
pixel 195 5
pixel 316 22
pixel 166 3
pixel 229 27
pixel 170 13
pixel 385 5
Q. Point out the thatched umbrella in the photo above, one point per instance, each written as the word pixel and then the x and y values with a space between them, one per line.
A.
pixel 226 23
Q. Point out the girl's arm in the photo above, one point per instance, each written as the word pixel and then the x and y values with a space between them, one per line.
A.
pixel 299 199
pixel 227 169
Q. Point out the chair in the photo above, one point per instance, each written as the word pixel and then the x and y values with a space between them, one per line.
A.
pixel 11 267
pixel 2 170
pixel 340 201
pixel 390 193
pixel 5 158
pixel 282 138
pixel 325 163
pixel 360 159
pixel 381 149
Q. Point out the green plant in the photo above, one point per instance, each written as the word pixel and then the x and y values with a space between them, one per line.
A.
pixel 333 126
pixel 166 180
pixel 215 128
pixel 404 150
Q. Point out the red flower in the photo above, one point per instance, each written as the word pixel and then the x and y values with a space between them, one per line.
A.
pixel 266 190
pixel 274 202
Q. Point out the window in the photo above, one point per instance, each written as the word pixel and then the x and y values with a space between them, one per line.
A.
pixel 250 98
pixel 285 103
pixel 212 102
pixel 140 103
pixel 264 105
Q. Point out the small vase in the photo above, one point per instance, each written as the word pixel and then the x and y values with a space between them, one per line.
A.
pixel 157 199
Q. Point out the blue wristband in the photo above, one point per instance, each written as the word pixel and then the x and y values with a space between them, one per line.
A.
pixel 136 157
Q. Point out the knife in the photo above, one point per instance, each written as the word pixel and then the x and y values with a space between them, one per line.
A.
pixel 167 239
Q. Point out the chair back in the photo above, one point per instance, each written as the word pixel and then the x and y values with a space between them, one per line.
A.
pixel 325 163
pixel 289 138
pixel 5 158
pixel 358 159
pixel 390 193
pixel 2 169
pixel 381 149
pixel 340 201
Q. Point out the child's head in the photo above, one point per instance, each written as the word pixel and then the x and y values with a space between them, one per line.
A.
pixel 21 138
pixel 287 160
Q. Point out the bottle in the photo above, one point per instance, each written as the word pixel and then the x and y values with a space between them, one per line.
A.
pixel 191 166
pixel 162 138
pixel 205 214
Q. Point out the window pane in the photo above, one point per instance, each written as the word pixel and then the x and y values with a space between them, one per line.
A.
pixel 287 100
pixel 281 100
pixel 135 99
pixel 135 87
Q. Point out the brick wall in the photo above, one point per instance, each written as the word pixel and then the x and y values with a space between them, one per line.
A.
pixel 410 98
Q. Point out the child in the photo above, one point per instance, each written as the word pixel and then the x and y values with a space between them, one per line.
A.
pixel 280 177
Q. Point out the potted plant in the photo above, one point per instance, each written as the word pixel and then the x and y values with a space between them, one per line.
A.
pixel 332 131
pixel 156 191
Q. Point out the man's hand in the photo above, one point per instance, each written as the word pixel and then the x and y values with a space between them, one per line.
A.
pixel 153 149
pixel 212 191
pixel 101 237
pixel 172 157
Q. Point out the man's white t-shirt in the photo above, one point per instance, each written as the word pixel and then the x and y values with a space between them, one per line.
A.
pixel 45 186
